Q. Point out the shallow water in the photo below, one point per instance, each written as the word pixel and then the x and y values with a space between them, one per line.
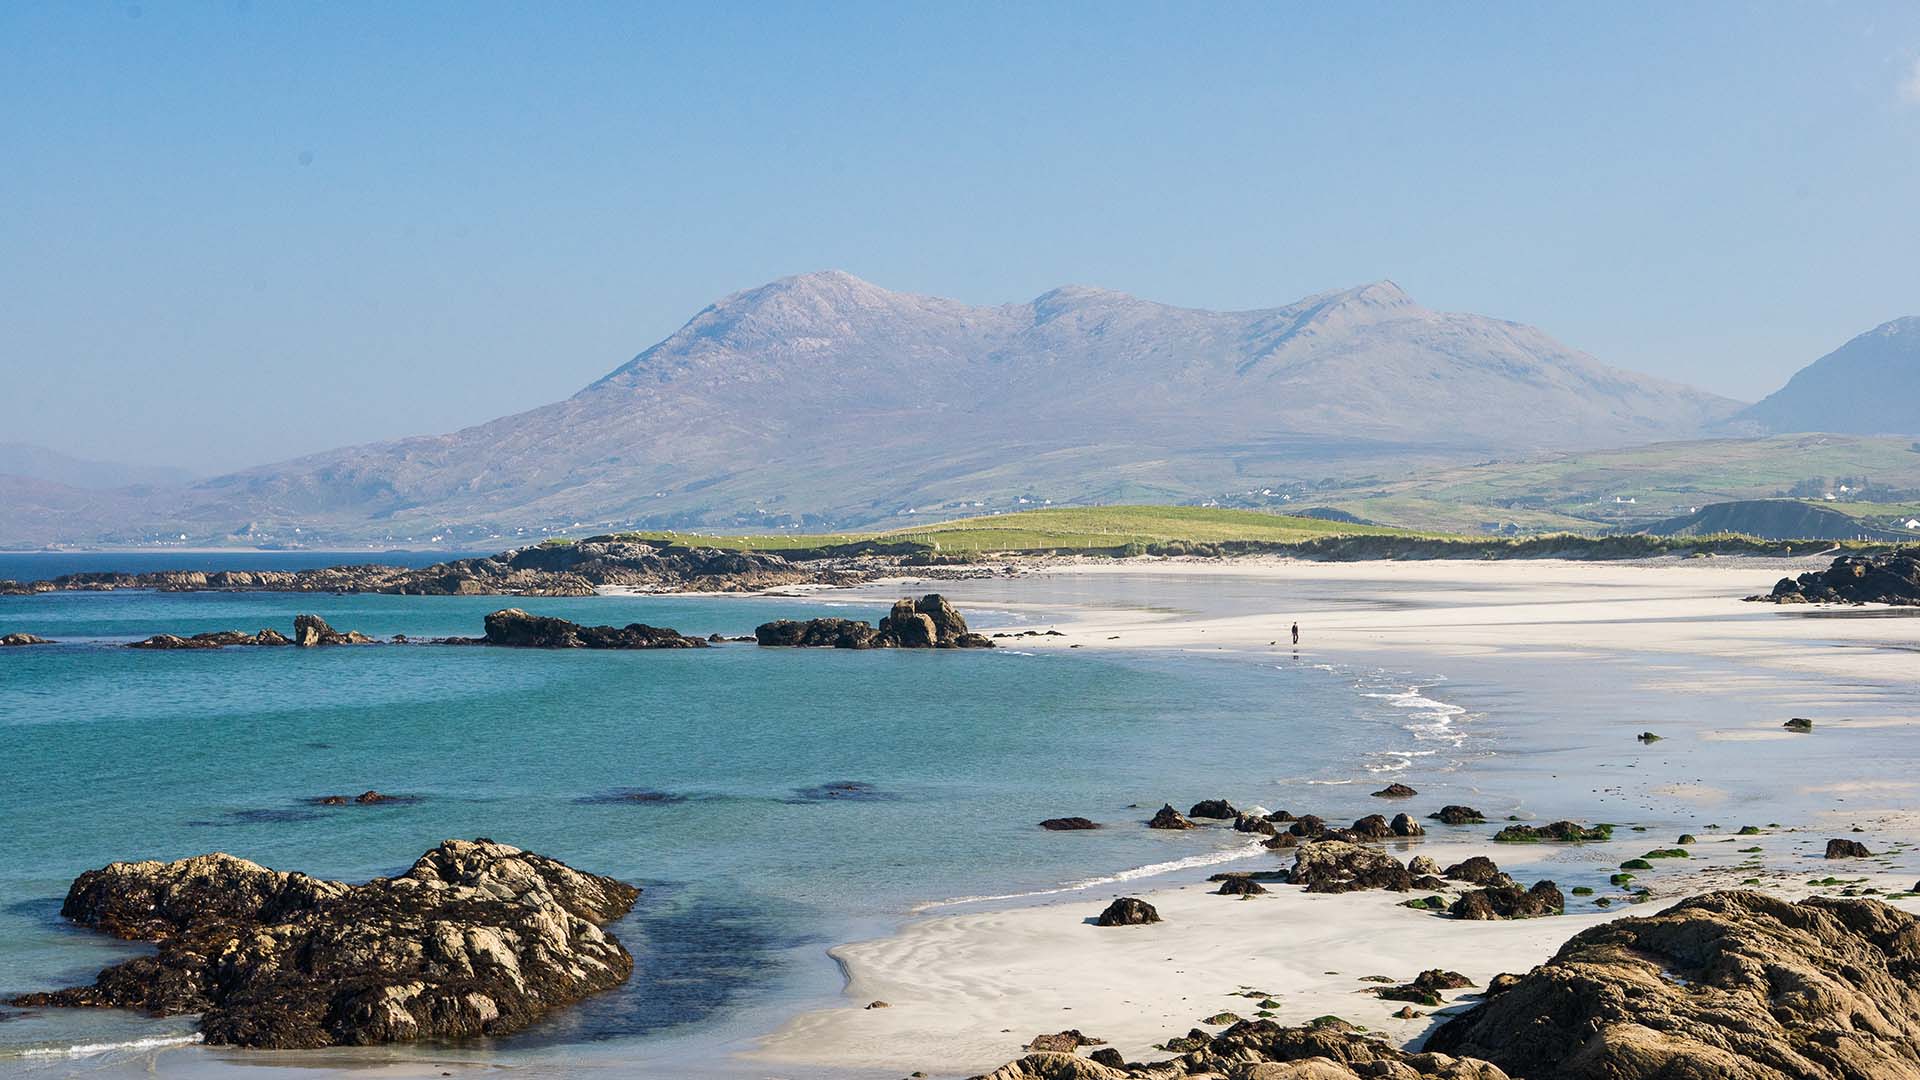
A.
pixel 752 859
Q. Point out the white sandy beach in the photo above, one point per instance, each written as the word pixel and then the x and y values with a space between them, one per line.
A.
pixel 1600 649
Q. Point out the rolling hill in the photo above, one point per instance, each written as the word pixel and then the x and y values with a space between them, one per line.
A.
pixel 823 400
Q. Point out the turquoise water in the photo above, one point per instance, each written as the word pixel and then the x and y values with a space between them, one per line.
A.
pixel 749 871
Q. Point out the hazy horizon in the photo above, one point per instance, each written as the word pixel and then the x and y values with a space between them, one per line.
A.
pixel 252 233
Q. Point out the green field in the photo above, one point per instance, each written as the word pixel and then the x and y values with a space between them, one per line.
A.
pixel 1097 528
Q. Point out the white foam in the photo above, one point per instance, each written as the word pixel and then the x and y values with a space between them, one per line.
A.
pixel 84 1049
pixel 1209 858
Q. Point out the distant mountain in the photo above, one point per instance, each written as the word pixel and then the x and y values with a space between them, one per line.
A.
pixel 1869 386
pixel 825 400
pixel 37 463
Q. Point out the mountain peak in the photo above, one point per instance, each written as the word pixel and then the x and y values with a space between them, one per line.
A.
pixel 1868 386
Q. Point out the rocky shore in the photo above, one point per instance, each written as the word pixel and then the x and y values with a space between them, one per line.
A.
pixel 477 938
pixel 1853 579
pixel 550 569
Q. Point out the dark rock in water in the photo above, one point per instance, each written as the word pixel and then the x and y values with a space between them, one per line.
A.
pixel 1426 987
pixel 1169 818
pixel 1458 815
pixel 173 641
pixel 636 797
pixel 1854 579
pixel 1240 885
pixel 1281 842
pixel 1336 866
pixel 1128 911
pixel 514 628
pixel 11 640
pixel 1371 827
pixel 476 939
pixel 1307 825
pixel 365 798
pixel 1247 823
pixel 1477 870
pixel 927 623
pixel 1508 901
pixel 842 791
pixel 1730 984
pixel 1647 737
pixel 1219 809
pixel 1800 724
pixel 220 639
pixel 312 630
pixel 1847 849
pixel 1395 790
pixel 1404 825
pixel 1279 817
pixel 1068 824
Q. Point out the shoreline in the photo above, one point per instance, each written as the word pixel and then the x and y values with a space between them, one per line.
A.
pixel 967 988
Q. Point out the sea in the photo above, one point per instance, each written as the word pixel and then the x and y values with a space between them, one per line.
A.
pixel 770 803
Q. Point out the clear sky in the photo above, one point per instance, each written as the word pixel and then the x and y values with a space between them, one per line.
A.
pixel 231 232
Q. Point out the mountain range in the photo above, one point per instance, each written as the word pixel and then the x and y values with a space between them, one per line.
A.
pixel 822 400
pixel 1869 386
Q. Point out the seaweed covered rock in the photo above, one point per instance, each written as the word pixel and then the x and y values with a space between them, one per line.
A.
pixel 1853 579
pixel 477 938
pixel 1506 900
pixel 1729 984
pixel 1566 832
pixel 1458 815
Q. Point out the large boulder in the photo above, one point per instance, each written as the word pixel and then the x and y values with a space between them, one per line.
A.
pixel 312 630
pixel 514 628
pixel 1169 818
pixel 1128 911
pixel 1729 984
pixel 1506 900
pixel 1337 866
pixel 476 939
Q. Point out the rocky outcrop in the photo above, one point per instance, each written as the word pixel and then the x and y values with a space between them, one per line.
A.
pixel 1395 790
pixel 927 623
pixel 312 630
pixel 477 938
pixel 1729 984
pixel 220 639
pixel 1458 815
pixel 1426 987
pixel 1217 809
pixel 1068 824
pixel 549 569
pixel 1327 1049
pixel 1128 911
pixel 1337 866
pixel 1502 899
pixel 1566 832
pixel 1240 885
pixel 11 640
pixel 1475 870
pixel 1169 818
pixel 1853 579
pixel 515 629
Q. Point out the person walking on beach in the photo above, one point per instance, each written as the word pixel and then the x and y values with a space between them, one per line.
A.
pixel 1296 633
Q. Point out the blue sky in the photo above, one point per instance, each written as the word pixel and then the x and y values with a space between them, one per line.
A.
pixel 233 232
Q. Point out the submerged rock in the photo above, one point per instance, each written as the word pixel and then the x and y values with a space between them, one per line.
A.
pixel 1395 790
pixel 1729 984
pixel 11 640
pixel 220 639
pixel 477 938
pixel 1068 824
